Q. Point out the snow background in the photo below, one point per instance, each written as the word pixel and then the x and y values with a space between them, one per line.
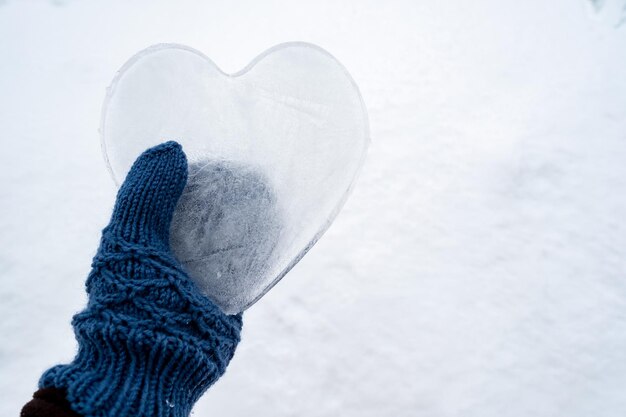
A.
pixel 478 268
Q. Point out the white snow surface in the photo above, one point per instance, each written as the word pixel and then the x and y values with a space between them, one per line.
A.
pixel 478 268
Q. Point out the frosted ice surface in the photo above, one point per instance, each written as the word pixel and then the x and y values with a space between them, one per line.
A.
pixel 273 152
pixel 226 227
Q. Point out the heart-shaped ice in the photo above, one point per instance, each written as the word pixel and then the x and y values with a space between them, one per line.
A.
pixel 273 152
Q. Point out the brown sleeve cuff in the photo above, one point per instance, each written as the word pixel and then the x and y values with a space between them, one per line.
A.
pixel 48 402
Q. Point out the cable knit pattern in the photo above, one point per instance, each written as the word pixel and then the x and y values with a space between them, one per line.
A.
pixel 149 344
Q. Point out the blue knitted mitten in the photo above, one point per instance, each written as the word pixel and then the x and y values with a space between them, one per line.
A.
pixel 149 344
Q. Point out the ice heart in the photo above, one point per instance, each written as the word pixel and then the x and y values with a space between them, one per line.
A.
pixel 273 152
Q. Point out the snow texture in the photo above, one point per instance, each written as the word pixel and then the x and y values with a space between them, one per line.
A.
pixel 613 12
pixel 293 118
pixel 478 268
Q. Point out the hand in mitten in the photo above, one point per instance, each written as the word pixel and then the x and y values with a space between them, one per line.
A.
pixel 149 343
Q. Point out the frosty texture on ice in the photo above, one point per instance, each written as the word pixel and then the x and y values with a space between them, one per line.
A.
pixel 273 152
pixel 226 226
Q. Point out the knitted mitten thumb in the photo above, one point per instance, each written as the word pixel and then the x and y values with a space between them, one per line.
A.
pixel 149 344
